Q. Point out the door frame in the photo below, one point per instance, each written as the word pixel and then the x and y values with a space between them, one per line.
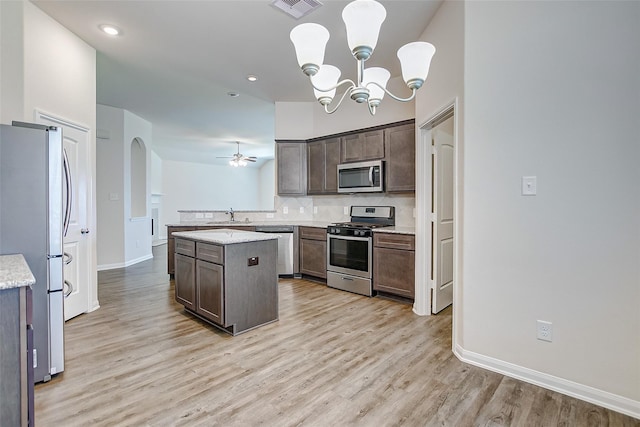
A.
pixel 92 294
pixel 422 302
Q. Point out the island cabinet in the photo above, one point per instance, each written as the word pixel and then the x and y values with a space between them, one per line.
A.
pixel 394 264
pixel 291 168
pixel 232 284
pixel 171 248
pixel 313 251
pixel 400 159
pixel 362 146
pixel 323 157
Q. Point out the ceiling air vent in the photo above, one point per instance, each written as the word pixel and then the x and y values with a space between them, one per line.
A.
pixel 296 8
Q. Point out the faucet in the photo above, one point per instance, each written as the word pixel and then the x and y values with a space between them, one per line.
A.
pixel 232 213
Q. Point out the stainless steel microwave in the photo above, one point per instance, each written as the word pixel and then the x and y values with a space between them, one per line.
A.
pixel 361 177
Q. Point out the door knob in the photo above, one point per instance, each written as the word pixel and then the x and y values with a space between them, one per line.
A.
pixel 84 231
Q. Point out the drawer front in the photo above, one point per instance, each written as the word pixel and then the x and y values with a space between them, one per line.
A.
pixel 185 247
pixel 394 241
pixel 313 233
pixel 209 252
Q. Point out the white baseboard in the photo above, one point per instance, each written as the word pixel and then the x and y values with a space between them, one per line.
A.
pixel 103 267
pixel 589 394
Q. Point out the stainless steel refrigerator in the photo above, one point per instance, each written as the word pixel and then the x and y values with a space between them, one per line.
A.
pixel 32 222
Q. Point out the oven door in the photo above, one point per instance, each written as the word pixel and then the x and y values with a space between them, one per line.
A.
pixel 349 255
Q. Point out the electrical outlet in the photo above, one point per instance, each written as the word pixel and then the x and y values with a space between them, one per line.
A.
pixel 199 215
pixel 208 215
pixel 269 215
pixel 315 209
pixel 285 210
pixel 545 330
pixel 301 209
pixel 346 210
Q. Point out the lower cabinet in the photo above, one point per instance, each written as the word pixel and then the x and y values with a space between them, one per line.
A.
pixel 394 264
pixel 16 362
pixel 210 291
pixel 234 287
pixel 313 251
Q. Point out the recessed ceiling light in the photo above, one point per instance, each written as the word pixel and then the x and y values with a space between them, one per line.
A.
pixel 252 78
pixel 233 94
pixel 110 29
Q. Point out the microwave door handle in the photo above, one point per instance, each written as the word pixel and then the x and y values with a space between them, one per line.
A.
pixel 371 175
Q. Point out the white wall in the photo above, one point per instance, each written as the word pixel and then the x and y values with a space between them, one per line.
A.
pixel 552 90
pixel 123 240
pixel 110 186
pixel 444 86
pixel 137 230
pixel 197 186
pixel 305 120
pixel 54 73
pixel 11 61
pixel 267 183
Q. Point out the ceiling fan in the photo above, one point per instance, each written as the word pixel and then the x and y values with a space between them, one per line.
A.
pixel 239 159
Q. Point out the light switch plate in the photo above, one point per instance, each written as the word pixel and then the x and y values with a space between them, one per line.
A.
pixel 529 185
pixel 114 196
pixel 285 210
pixel 199 215
pixel 346 210
pixel 208 215
pixel 269 215
pixel 301 209
pixel 315 209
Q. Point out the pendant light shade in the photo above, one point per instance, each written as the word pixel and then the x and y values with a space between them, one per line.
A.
pixel 378 75
pixel 326 78
pixel 363 19
pixel 309 41
pixel 415 59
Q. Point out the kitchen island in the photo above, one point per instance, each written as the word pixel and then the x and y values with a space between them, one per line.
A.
pixel 227 277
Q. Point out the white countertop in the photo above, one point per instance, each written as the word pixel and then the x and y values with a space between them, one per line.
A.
pixel 15 272
pixel 225 236
pixel 316 224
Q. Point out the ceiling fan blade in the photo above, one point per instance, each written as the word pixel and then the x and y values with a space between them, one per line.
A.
pixel 250 159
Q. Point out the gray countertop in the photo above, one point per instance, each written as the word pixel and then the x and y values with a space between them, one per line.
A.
pixel 317 224
pixel 225 236
pixel 14 272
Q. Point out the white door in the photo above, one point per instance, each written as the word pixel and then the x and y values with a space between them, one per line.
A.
pixel 76 241
pixel 442 207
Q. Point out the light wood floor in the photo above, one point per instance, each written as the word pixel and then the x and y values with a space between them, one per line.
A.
pixel 333 359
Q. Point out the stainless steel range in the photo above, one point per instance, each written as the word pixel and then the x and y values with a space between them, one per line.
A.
pixel 349 248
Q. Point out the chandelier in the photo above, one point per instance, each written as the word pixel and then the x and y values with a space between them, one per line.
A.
pixel 362 19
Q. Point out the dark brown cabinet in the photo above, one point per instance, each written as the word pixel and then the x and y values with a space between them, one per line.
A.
pixel 218 283
pixel 16 361
pixel 291 166
pixel 313 251
pixel 210 286
pixel 394 264
pixel 400 163
pixel 362 146
pixel 185 284
pixel 171 248
pixel 323 158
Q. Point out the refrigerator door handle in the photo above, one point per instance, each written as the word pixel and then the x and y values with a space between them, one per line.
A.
pixel 68 259
pixel 69 187
pixel 70 286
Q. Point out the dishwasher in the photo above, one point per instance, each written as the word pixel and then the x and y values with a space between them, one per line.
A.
pixel 285 246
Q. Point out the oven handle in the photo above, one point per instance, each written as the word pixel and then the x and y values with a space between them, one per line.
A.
pixel 337 236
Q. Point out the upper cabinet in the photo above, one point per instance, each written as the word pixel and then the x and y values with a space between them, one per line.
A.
pixel 400 159
pixel 323 158
pixel 291 165
pixel 362 146
pixel 311 168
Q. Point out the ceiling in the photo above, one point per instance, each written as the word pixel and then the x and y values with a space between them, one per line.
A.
pixel 176 62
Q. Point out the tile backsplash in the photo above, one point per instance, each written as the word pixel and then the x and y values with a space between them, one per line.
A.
pixel 314 208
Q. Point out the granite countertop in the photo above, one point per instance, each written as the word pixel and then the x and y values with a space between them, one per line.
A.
pixel 225 236
pixel 317 224
pixel 14 272
pixel 396 230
